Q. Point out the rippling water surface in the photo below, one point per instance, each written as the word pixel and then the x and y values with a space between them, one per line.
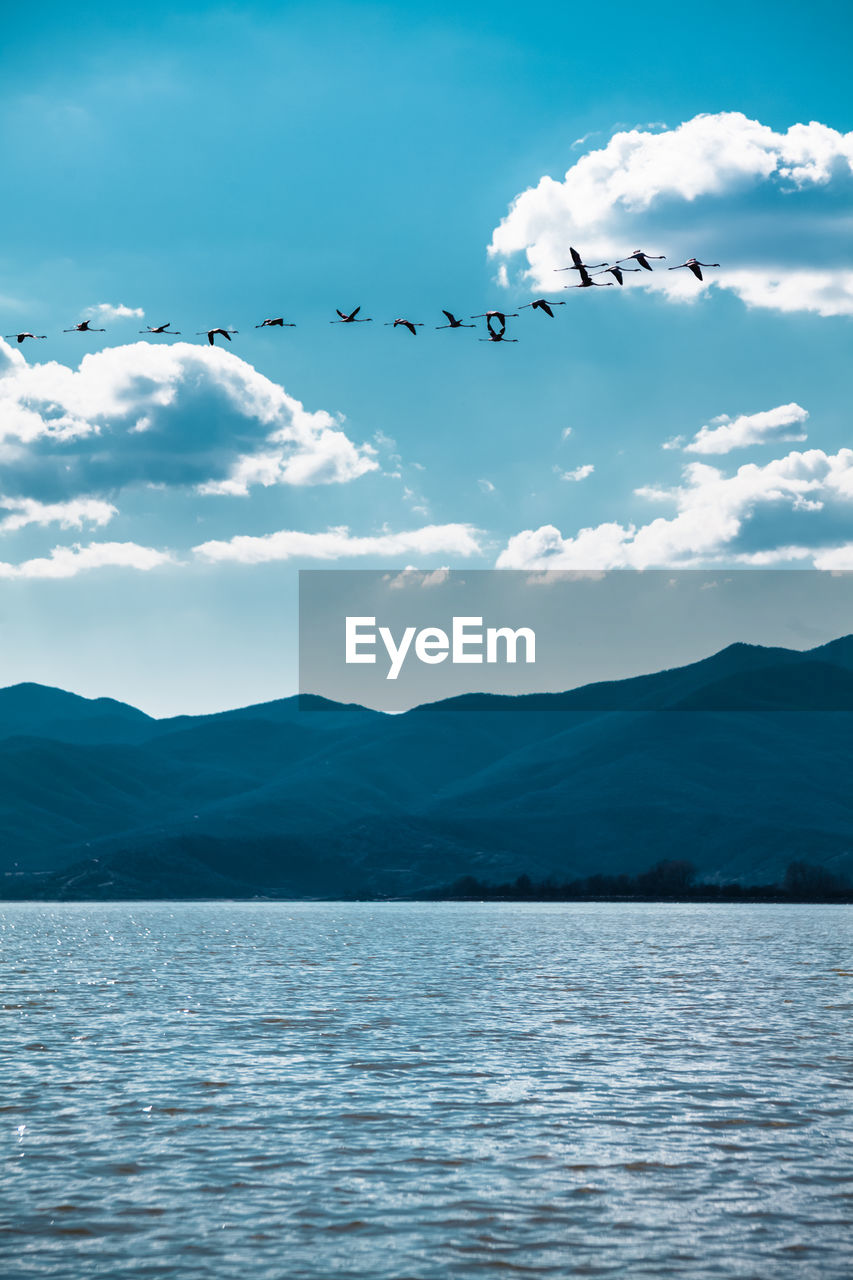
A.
pixel 442 1090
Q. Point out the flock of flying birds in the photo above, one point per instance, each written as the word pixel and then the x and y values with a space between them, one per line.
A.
pixel 495 320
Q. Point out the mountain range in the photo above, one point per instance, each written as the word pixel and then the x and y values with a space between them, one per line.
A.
pixel 740 762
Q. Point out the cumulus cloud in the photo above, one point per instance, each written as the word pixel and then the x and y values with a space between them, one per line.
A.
pixel 334 544
pixel 17 513
pixel 410 577
pixel 747 517
pixel 177 415
pixel 579 473
pixel 109 311
pixel 67 562
pixel 770 426
pixel 771 207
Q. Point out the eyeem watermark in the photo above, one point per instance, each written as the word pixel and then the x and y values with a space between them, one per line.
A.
pixel 389 640
pixel 467 642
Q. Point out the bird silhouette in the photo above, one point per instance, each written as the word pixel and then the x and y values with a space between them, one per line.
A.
pixel 453 323
pixel 277 322
pixel 411 325
pixel 19 337
pixel 488 316
pixel 617 271
pixel 542 305
pixel 161 328
pixel 643 258
pixel 693 264
pixel 578 263
pixel 211 334
pixel 351 318
pixel 587 282
pixel 499 336
pixel 85 326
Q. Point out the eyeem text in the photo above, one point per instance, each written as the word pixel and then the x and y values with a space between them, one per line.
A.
pixel 467 642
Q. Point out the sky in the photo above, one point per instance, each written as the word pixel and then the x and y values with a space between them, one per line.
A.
pixel 214 165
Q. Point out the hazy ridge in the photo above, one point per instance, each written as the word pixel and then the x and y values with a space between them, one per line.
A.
pixel 740 762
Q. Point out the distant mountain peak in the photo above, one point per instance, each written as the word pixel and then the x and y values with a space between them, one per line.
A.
pixel 28 707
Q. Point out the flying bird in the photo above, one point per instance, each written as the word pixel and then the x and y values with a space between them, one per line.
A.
pixel 85 326
pixel 411 325
pixel 276 322
pixel 489 316
pixel 693 264
pixel 587 282
pixel 643 258
pixel 498 336
pixel 617 271
pixel 211 334
pixel 161 328
pixel 453 323
pixel 542 305
pixel 19 337
pixel 578 263
pixel 351 318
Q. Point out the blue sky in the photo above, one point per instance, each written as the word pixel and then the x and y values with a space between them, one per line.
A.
pixel 213 165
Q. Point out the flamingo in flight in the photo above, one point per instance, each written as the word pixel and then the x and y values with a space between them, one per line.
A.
pixel 19 337
pixel 161 328
pixel 453 323
pixel 541 304
pixel 85 326
pixel 211 334
pixel 497 336
pixel 489 316
pixel 275 322
pixel 694 265
pixel 643 258
pixel 351 318
pixel 411 325
pixel 617 271
pixel 578 263
pixel 587 282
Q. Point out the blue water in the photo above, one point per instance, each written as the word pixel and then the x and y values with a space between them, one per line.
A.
pixel 442 1090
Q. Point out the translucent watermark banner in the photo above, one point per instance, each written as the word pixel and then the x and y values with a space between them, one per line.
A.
pixel 617 640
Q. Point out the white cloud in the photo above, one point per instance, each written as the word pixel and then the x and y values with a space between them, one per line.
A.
pixel 836 558
pixel 107 311
pixel 68 515
pixel 771 426
pixel 334 544
pixel 411 577
pixel 176 415
pixel 566 432
pixel 719 519
pixel 67 562
pixel 487 486
pixel 771 207
pixel 579 473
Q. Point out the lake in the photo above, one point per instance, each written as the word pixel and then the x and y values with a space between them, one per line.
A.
pixel 398 1090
